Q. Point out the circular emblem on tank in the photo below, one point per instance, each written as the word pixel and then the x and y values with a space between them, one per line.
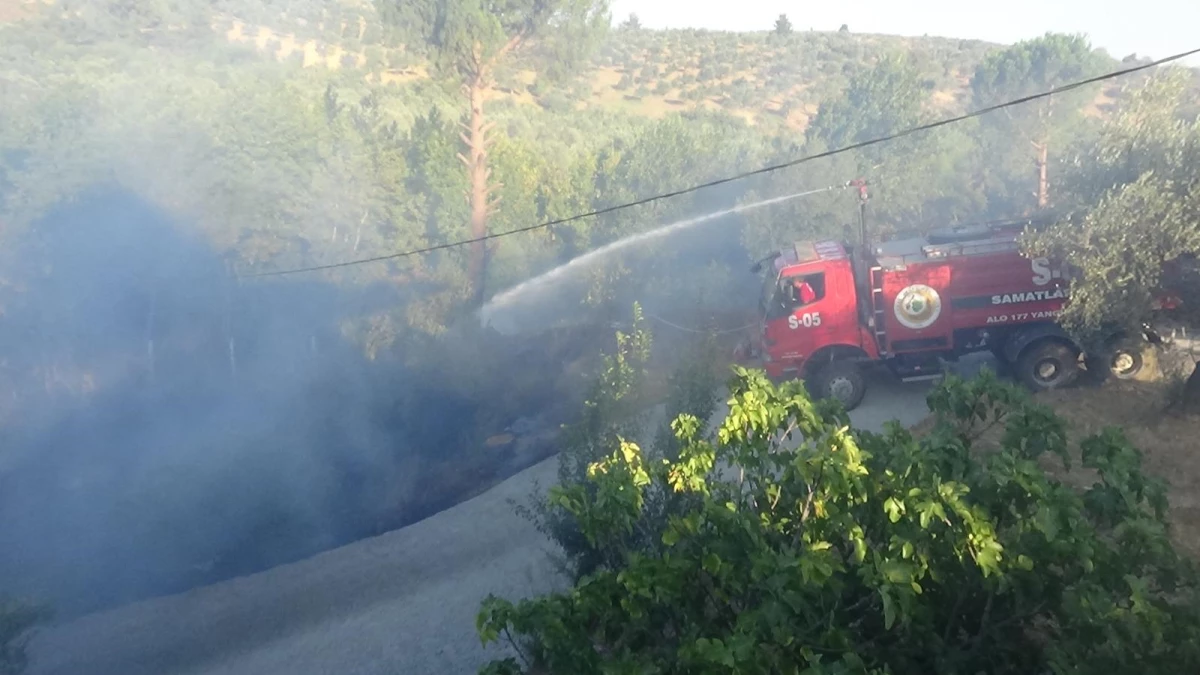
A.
pixel 918 306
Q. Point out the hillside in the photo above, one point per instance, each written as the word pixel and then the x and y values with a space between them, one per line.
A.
pixel 763 78
pixel 756 76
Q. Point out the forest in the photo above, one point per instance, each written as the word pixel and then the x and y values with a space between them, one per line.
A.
pixel 172 394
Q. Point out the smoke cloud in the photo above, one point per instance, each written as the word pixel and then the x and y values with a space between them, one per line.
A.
pixel 168 426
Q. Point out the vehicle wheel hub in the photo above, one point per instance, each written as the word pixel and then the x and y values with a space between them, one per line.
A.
pixel 1047 370
pixel 841 388
pixel 1123 363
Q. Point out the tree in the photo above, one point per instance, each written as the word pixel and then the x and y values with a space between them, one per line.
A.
pixel 134 21
pixel 877 102
pixel 905 173
pixel 616 407
pixel 1133 203
pixel 782 25
pixel 469 39
pixel 431 150
pixel 1031 67
pixel 844 29
pixel 631 23
pixel 849 552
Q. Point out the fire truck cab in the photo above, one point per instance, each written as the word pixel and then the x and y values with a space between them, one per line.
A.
pixel 911 305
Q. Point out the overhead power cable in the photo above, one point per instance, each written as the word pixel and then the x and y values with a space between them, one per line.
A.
pixel 741 176
pixel 725 331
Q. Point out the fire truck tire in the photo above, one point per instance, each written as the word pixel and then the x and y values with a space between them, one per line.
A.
pixel 841 380
pixel 1048 364
pixel 1125 360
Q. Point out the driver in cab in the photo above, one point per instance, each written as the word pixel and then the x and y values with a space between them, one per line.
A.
pixel 802 292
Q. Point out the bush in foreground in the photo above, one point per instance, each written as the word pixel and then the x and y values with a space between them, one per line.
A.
pixel 618 408
pixel 853 552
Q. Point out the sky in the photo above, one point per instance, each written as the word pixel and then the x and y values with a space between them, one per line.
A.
pixel 1154 28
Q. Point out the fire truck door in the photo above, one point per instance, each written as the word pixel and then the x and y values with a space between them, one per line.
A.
pixel 812 319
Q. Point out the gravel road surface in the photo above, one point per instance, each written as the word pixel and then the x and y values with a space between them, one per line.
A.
pixel 398 604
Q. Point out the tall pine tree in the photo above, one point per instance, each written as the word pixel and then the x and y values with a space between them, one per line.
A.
pixel 468 39
pixel 782 25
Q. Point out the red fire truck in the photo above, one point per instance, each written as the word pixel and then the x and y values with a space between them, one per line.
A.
pixel 828 311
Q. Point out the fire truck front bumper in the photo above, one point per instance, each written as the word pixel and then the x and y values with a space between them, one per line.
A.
pixel 747 352
pixel 750 353
pixel 778 370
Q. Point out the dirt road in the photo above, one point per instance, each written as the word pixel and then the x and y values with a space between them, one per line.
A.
pixel 398 604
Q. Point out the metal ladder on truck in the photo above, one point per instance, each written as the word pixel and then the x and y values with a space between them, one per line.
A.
pixel 878 314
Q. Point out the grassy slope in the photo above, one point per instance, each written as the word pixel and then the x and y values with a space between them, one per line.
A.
pixel 626 76
pixel 756 76
pixel 650 73
pixel 653 73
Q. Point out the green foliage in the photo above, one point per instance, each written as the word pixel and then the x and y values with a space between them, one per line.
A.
pixel 693 388
pixel 915 181
pixel 470 40
pixel 782 25
pixel 1009 136
pixel 1034 66
pixel 1136 207
pixel 279 166
pixel 802 545
pixel 880 101
pixel 146 22
pixel 468 37
pixel 619 407
pixel 614 409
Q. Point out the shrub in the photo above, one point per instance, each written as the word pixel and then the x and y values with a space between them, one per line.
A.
pixel 558 102
pixel 853 552
pixel 616 409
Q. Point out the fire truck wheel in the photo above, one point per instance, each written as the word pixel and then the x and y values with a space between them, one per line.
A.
pixel 1048 364
pixel 1125 360
pixel 841 380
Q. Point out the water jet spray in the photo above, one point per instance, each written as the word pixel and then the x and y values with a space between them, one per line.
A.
pixel 491 314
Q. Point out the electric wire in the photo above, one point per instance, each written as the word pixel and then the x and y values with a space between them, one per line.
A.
pixel 741 176
pixel 700 331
